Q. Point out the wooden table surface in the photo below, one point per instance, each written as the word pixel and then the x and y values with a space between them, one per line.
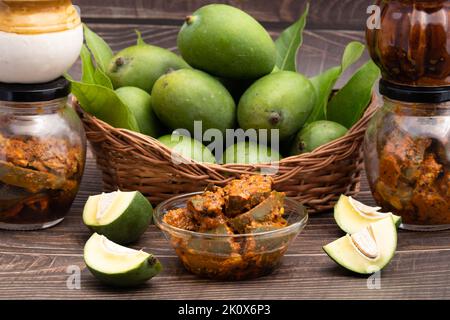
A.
pixel 35 265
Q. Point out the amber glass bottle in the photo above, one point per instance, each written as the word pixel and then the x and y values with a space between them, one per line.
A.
pixel 412 45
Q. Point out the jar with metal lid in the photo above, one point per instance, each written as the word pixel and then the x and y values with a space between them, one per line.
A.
pixel 42 154
pixel 407 155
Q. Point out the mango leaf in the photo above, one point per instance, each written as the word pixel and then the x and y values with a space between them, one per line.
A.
pixel 90 74
pixel 352 53
pixel 348 105
pixel 87 66
pixel 68 76
pixel 140 41
pixel 99 48
pixel 104 104
pixel 102 79
pixel 289 42
pixel 323 85
pixel 325 82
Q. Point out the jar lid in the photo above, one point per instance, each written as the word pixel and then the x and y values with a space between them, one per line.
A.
pixel 57 89
pixel 414 94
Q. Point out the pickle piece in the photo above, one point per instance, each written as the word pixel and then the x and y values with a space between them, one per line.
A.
pixel 31 180
pixel 180 218
pixel 207 204
pixel 10 196
pixel 261 243
pixel 260 228
pixel 268 210
pixel 222 245
pixel 244 194
pixel 37 202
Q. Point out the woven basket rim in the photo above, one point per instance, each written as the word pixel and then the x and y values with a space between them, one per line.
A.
pixel 321 152
pixel 133 161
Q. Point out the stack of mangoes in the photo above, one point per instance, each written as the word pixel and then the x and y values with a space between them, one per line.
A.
pixel 230 75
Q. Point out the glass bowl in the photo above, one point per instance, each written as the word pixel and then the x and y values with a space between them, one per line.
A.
pixel 231 257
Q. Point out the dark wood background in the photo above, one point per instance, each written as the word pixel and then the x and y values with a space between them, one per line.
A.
pixel 34 265
pixel 331 24
pixel 324 14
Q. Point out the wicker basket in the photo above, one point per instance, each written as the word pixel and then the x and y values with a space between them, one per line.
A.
pixel 132 161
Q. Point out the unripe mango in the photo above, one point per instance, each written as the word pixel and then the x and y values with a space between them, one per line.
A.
pixel 141 65
pixel 317 134
pixel 140 104
pixel 188 147
pixel 184 96
pixel 226 42
pixel 250 153
pixel 281 100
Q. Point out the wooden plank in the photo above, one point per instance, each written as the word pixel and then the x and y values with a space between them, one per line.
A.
pixel 410 276
pixel 34 265
pixel 321 49
pixel 324 14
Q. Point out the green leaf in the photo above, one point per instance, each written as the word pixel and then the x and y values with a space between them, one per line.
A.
pixel 348 105
pixel 99 48
pixel 104 104
pixel 87 66
pixel 90 74
pixel 140 40
pixel 102 79
pixel 325 82
pixel 68 76
pixel 352 53
pixel 289 42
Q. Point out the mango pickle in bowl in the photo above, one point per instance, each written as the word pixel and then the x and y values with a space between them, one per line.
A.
pixel 238 232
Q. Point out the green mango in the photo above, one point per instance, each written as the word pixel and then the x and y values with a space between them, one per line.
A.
pixel 122 217
pixel 249 153
pixel 184 96
pixel 317 134
pixel 119 266
pixel 236 87
pixel 226 42
pixel 188 147
pixel 140 104
pixel 281 100
pixel 141 65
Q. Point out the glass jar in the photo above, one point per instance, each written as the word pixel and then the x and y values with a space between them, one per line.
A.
pixel 42 155
pixel 412 44
pixel 407 155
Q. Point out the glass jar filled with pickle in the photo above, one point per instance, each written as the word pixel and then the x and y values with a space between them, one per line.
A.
pixel 42 154
pixel 407 155
pixel 411 45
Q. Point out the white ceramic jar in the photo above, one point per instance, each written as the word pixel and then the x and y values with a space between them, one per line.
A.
pixel 39 40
